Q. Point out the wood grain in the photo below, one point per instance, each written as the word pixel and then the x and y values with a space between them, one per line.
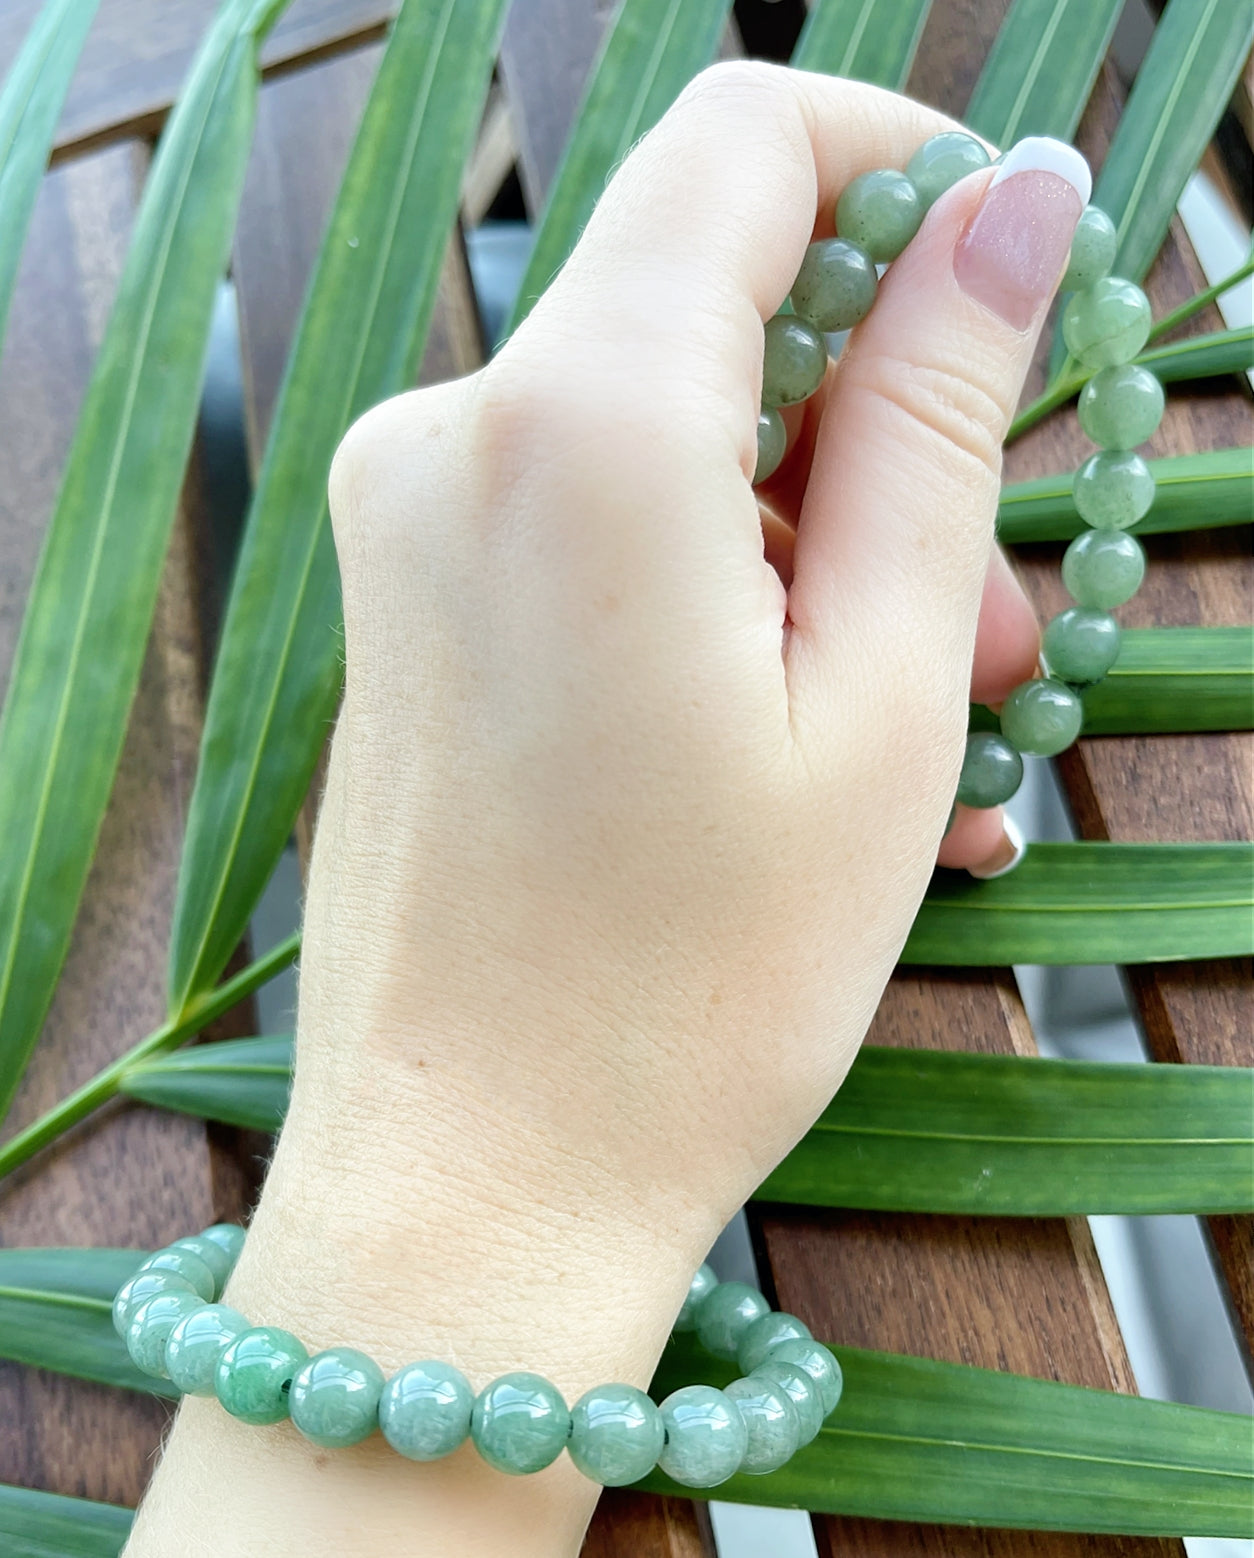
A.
pixel 637 1525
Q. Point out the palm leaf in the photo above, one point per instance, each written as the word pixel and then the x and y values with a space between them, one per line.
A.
pixel 651 51
pixel 935 1131
pixel 48 1525
pixel 241 1081
pixel 866 40
pixel 917 1439
pixel 365 319
pixel 1203 356
pixel 86 625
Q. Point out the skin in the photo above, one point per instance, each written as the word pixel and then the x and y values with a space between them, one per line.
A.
pixel 625 826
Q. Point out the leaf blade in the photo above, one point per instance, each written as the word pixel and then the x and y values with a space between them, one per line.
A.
pixel 242 1082
pixel 50 1525
pixel 868 40
pixel 1202 356
pixel 1175 679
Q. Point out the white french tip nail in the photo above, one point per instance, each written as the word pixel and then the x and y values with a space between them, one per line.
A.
pixel 1018 845
pixel 1040 153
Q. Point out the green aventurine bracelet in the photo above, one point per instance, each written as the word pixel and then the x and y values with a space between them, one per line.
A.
pixel 175 1329
pixel 1104 325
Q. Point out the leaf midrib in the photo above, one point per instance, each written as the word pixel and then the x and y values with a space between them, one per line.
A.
pixel 990 1139
pixel 41 61
pixel 60 1300
pixel 1033 71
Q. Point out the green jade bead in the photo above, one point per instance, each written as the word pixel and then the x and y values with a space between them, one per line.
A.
pixel 941 161
pixel 616 1435
pixel 1093 247
pixel 196 1344
pixel 706 1437
pixel 1107 325
pixel 820 1364
pixel 794 360
pixel 1042 717
pixel 836 284
pixel 880 212
pixel 214 1256
pixel 1113 489
pixel 771 1421
pixel 766 1333
pixel 150 1329
pixel 425 1409
pixel 801 1390
pixel 772 442
pixel 229 1236
pixel 1121 407
pixel 1103 568
pixel 699 1289
pixel 992 771
pixel 520 1423
pixel 1080 645
pixel 726 1314
pixel 139 1289
pixel 334 1399
pixel 255 1372
pixel 186 1265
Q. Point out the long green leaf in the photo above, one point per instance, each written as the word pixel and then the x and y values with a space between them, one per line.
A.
pixel 86 625
pixel 49 1525
pixel 56 1313
pixel 1093 903
pixel 916 1439
pixel 30 105
pixel 1195 492
pixel 866 40
pixel 277 679
pixel 1203 356
pixel 936 1131
pixel 1041 69
pixel 652 50
pixel 241 1081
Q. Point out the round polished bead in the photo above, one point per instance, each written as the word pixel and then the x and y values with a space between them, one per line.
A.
pixel 334 1399
pixel 1042 717
pixel 771 1422
pixel 699 1289
pixel 1080 645
pixel 1113 489
pixel 1093 246
pixel 766 1332
pixel 772 442
pixel 941 161
pixel 214 1256
pixel 230 1236
pixel 197 1342
pixel 1103 568
pixel 881 212
pixel 140 1288
pixel 801 1390
pixel 706 1437
pixel 820 1364
pixel 616 1435
pixel 992 771
pixel 794 360
pixel 520 1423
pixel 1121 407
pixel 425 1409
pixel 150 1328
pixel 726 1314
pixel 255 1373
pixel 836 284
pixel 1108 324
pixel 186 1265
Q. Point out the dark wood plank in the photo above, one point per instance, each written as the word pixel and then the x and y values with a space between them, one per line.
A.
pixel 637 1525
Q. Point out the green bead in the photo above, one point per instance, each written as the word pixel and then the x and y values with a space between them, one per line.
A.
pixel 1042 717
pixel 726 1314
pixel 229 1235
pixel 520 1423
pixel 836 284
pixel 699 1289
pixel 188 1266
pixel 765 1333
pixel 991 771
pixel 801 1390
pixel 1108 324
pixel 425 1409
pixel 196 1344
pixel 1121 407
pixel 881 212
pixel 255 1374
pixel 794 360
pixel 616 1435
pixel 819 1363
pixel 1103 568
pixel 1093 248
pixel 706 1437
pixel 772 442
pixel 1080 645
pixel 150 1328
pixel 214 1256
pixel 334 1399
pixel 771 1422
pixel 1113 489
pixel 141 1287
pixel 941 161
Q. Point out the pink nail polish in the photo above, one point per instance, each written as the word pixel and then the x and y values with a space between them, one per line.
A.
pixel 1013 252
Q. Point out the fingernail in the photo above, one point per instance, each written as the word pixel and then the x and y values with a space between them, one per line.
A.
pixel 1013 252
pixel 1009 852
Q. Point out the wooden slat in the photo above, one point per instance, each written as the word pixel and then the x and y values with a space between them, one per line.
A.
pixel 637 1525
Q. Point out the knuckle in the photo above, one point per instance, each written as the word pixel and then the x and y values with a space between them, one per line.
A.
pixel 968 419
